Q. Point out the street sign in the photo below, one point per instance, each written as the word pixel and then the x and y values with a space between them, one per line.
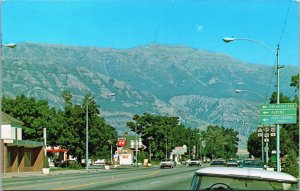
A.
pixel 260 134
pixel 266 140
pixel 273 134
pixel 285 113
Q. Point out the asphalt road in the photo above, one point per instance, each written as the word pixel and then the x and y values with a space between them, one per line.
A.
pixel 121 178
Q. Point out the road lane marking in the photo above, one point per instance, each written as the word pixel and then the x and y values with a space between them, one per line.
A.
pixel 105 181
pixel 42 182
pixel 155 182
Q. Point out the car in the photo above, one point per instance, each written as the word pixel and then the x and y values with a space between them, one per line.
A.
pixel 167 163
pixel 218 163
pixel 253 163
pixel 193 161
pixel 232 162
pixel 232 178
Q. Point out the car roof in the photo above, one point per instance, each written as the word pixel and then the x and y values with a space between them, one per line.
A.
pixel 247 173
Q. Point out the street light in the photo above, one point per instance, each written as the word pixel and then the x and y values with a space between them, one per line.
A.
pixel 150 138
pixel 87 130
pixel 276 52
pixel 262 138
pixel 110 142
pixel 10 45
pixel 238 91
pixel 136 145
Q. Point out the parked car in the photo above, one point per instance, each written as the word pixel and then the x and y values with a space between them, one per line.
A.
pixel 194 161
pixel 99 162
pixel 253 163
pixel 218 163
pixel 231 178
pixel 232 162
pixel 167 163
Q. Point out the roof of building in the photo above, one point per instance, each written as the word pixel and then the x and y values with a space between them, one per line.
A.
pixel 7 119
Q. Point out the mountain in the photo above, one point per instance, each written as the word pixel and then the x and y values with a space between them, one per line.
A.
pixel 198 86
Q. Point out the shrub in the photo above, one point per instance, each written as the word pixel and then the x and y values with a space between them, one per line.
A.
pixel 292 165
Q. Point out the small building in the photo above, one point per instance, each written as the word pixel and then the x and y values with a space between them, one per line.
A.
pixel 18 155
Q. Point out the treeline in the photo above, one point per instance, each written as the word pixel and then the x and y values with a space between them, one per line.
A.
pixel 166 133
pixel 65 127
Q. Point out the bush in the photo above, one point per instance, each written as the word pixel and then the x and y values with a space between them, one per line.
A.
pixel 57 162
pixel 292 166
pixel 75 165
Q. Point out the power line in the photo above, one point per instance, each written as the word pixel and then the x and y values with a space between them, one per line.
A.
pixel 285 21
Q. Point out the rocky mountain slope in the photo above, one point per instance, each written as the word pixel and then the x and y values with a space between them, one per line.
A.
pixel 195 85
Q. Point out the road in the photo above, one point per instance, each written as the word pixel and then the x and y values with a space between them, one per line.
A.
pixel 121 178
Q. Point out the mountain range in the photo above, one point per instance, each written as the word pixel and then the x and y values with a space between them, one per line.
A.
pixel 196 85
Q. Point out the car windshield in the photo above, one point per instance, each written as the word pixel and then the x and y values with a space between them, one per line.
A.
pixel 232 161
pixel 217 163
pixel 253 163
pixel 235 183
pixel 194 159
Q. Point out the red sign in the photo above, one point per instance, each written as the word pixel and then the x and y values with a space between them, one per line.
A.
pixel 121 142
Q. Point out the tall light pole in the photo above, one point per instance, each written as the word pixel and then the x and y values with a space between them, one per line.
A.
pixel 110 142
pixel 10 45
pixel 87 129
pixel 276 52
pixel 262 138
pixel 136 145
pixel 166 145
pixel 150 138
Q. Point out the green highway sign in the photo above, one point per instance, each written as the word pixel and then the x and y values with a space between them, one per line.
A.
pixel 285 113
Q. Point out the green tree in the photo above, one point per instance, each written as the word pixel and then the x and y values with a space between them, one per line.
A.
pixel 167 132
pixel 66 127
pixel 292 164
pixel 221 142
pixel 34 114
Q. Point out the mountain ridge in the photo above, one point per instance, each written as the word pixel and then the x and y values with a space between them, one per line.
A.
pixel 163 79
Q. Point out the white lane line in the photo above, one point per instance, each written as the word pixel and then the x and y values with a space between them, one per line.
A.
pixel 155 182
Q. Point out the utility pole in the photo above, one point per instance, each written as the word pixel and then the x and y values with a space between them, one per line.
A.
pixel 136 145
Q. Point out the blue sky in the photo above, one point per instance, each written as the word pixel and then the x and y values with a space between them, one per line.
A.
pixel 200 24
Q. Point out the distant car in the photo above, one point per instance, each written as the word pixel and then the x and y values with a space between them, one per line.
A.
pixel 231 178
pixel 232 162
pixel 218 163
pixel 99 162
pixel 252 163
pixel 167 163
pixel 194 161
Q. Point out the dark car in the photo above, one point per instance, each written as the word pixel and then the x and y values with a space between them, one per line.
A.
pixel 218 163
pixel 232 162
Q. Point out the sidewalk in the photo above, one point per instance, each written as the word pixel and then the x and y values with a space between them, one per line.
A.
pixel 52 173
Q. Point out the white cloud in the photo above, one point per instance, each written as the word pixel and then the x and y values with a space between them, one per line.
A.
pixel 199 28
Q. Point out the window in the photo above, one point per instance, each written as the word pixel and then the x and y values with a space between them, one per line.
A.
pixel 9 162
pixel 27 157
